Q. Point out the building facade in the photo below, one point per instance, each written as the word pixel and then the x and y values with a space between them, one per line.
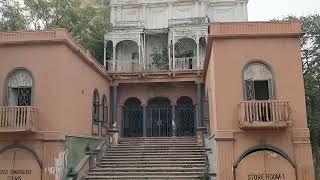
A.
pixel 170 72
pixel 143 30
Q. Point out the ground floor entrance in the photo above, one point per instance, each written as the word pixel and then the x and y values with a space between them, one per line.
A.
pixel 159 118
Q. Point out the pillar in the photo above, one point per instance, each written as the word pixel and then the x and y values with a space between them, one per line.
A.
pixel 114 56
pixel 114 104
pixel 173 51
pixel 122 120
pixel 200 108
pixel 303 154
pixel 198 51
pixel 144 114
pixel 174 125
pixel 169 54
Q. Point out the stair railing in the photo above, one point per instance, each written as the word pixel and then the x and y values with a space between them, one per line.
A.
pixel 90 161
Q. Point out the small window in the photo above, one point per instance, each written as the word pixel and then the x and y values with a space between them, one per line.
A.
pixel 258 82
pixel 19 92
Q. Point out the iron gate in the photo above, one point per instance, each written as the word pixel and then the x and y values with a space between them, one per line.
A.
pixel 185 121
pixel 133 118
pixel 160 122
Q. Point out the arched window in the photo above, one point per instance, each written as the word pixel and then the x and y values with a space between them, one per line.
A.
pixel 258 82
pixel 19 88
pixel 95 107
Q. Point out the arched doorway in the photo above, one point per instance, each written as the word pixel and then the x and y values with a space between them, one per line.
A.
pixel 264 162
pixel 160 117
pixel 133 118
pixel 185 54
pixel 185 117
pixel 127 56
pixel 18 163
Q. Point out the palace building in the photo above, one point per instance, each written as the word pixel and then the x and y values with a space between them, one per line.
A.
pixel 188 90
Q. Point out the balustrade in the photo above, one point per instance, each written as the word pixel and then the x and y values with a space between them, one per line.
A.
pixel 264 114
pixel 18 118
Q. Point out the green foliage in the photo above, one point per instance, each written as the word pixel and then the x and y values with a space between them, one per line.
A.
pixel 181 51
pixel 310 54
pixel 87 22
pixel 11 16
pixel 160 59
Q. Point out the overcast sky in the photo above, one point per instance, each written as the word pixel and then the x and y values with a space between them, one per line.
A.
pixel 270 9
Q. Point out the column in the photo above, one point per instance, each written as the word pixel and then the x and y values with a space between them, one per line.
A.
pixel 113 15
pixel 144 13
pixel 144 114
pixel 203 11
pixel 196 9
pixel 169 53
pixel 122 120
pixel 114 104
pixel 114 56
pixel 173 52
pixel 170 11
pixel 174 125
pixel 140 62
pixel 200 109
pixel 198 51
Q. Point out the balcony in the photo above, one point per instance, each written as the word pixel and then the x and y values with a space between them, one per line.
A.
pixel 18 119
pixel 264 115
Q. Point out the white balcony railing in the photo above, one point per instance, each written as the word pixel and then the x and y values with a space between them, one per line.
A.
pixel 124 66
pixel 264 114
pixel 18 119
pixel 176 64
pixel 189 21
pixel 187 63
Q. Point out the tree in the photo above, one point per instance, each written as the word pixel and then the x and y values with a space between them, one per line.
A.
pixel 310 54
pixel 11 16
pixel 86 21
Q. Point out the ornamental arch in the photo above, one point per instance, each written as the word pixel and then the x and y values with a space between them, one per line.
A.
pixel 264 162
pixel 19 87
pixel 19 162
pixel 133 118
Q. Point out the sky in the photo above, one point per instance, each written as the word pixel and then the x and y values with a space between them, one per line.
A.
pixel 260 10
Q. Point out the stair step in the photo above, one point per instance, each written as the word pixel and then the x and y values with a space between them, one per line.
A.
pixel 171 165
pixel 145 173
pixel 166 156
pixel 162 158
pixel 147 169
pixel 155 177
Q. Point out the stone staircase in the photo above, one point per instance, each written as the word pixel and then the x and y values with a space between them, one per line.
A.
pixel 152 158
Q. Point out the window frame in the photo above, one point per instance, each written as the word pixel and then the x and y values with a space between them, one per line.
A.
pixel 6 85
pixel 271 82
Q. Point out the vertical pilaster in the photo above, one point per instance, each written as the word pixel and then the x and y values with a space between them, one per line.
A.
pixel 113 15
pixel 225 158
pixel 200 108
pixel 144 114
pixel 174 125
pixel 114 103
pixel 303 155
pixel 196 9
pixel 203 11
